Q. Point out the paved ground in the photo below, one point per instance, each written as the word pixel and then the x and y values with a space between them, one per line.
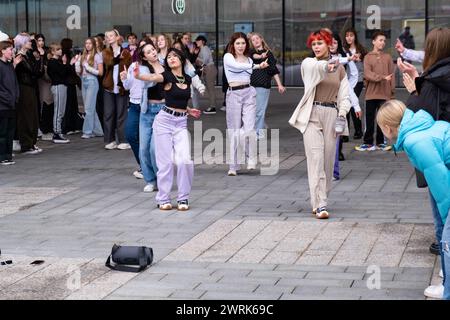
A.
pixel 247 237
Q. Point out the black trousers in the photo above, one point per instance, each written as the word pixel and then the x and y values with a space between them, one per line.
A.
pixel 46 123
pixel 356 121
pixel 115 116
pixel 7 129
pixel 372 107
pixel 27 117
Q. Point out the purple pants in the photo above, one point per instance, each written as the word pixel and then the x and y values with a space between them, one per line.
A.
pixel 241 116
pixel 172 147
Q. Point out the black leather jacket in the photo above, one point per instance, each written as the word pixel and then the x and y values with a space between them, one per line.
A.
pixel 29 70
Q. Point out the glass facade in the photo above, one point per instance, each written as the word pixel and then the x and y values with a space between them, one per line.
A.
pixel 285 24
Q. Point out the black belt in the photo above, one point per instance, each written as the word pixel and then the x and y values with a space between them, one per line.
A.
pixel 244 86
pixel 325 104
pixel 175 113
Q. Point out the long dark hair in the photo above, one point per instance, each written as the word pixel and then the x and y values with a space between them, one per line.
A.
pixel 234 37
pixel 359 47
pixel 340 49
pixel 141 54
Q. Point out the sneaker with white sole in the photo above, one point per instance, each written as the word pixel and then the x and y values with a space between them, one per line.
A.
pixel 47 137
pixel 165 206
pixel 87 136
pixel 183 205
pixel 210 110
pixel 224 108
pixel 435 292
pixel 441 274
pixel 384 147
pixel 111 146
pixel 124 146
pixel 366 147
pixel 31 151
pixel 149 188
pixel 38 149
pixel 60 139
pixel 251 167
pixel 7 162
pixel 138 174
pixel 322 213
pixel 232 173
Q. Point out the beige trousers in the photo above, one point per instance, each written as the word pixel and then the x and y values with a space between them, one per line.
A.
pixel 320 148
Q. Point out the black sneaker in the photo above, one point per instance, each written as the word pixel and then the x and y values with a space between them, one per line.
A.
pixel 7 162
pixel 183 205
pixel 210 111
pixel 60 139
pixel 434 249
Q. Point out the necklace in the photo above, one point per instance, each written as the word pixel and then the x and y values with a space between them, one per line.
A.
pixel 181 80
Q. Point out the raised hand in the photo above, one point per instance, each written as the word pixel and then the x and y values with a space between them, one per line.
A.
pixel 399 46
pixel 124 74
pixel 409 83
pixel 18 59
pixel 135 71
pixel 264 64
pixel 389 77
pixel 408 68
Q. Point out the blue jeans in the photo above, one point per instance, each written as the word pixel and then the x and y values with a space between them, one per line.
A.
pixel 132 129
pixel 443 238
pixel 91 125
pixel 147 144
pixel 262 101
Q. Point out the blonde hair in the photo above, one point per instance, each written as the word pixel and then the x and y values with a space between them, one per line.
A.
pixel 90 56
pixel 55 47
pixel 263 42
pixel 168 41
pixel 116 33
pixel 391 114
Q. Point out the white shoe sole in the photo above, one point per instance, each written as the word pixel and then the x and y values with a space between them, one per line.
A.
pixel 60 142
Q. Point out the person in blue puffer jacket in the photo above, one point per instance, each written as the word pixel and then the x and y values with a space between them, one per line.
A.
pixel 426 142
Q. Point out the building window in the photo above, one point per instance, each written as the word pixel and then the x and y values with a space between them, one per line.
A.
pixel 439 13
pixel 262 16
pixel 12 17
pixel 304 17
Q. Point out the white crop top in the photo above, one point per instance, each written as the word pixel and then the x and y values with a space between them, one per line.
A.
pixel 237 71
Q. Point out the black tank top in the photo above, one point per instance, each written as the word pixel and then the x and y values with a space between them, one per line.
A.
pixel 176 97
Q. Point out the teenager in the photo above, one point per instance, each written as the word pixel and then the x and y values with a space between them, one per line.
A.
pixel 261 79
pixel 172 144
pixel 379 74
pixel 90 66
pixel 115 59
pixel 132 40
pixel 326 100
pixel 9 96
pixel 28 71
pixel 164 43
pixel 59 70
pixel 426 142
pixel 356 52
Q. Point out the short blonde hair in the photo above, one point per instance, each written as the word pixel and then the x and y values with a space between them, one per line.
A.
pixel 391 114
pixel 55 47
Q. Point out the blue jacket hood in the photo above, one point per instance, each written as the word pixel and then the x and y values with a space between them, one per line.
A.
pixel 411 123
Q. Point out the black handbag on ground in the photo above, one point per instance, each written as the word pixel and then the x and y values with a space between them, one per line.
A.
pixel 125 256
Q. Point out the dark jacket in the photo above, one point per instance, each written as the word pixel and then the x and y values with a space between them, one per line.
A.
pixel 58 72
pixel 123 60
pixel 262 78
pixel 29 71
pixel 429 84
pixel 9 88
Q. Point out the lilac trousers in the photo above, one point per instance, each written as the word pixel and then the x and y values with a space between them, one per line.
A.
pixel 172 147
pixel 241 115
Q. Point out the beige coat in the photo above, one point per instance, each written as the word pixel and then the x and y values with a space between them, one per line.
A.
pixel 313 72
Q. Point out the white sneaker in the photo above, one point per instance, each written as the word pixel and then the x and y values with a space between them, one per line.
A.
pixel 124 146
pixel 251 167
pixel 47 137
pixel 223 109
pixel 435 292
pixel 39 150
pixel 111 146
pixel 441 274
pixel 16 145
pixel 87 136
pixel 39 133
pixel 138 174
pixel 232 173
pixel 149 188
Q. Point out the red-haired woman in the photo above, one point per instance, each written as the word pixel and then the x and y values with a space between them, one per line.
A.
pixel 241 100
pixel 324 105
